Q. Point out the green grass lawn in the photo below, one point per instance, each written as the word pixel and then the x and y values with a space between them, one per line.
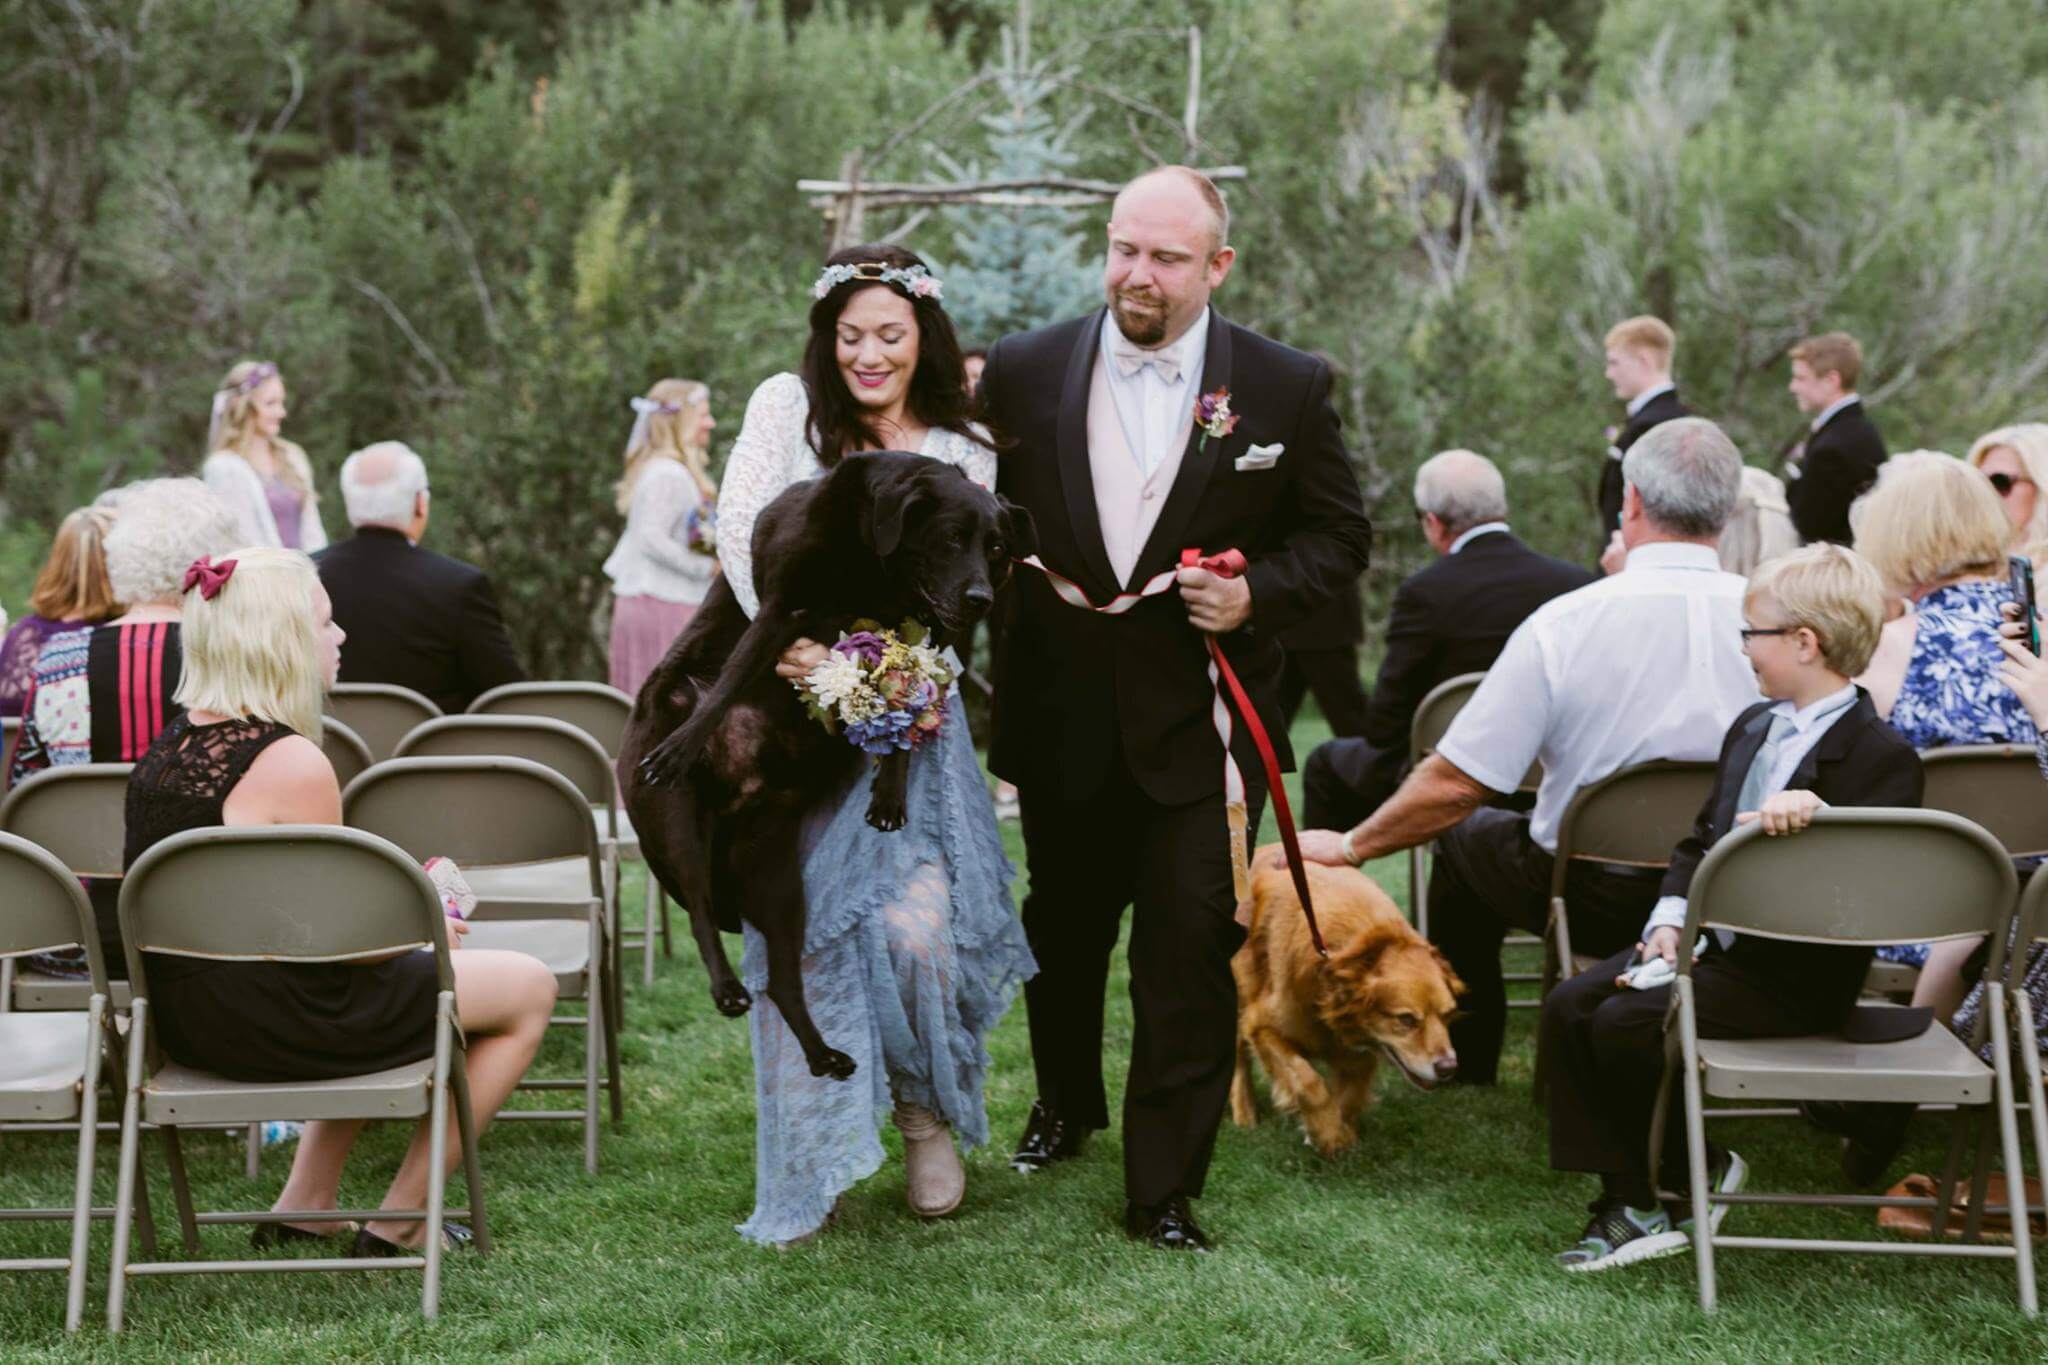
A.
pixel 1429 1241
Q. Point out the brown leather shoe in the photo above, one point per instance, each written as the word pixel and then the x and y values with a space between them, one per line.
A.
pixel 935 1179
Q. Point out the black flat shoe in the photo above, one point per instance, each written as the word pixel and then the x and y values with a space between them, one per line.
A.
pixel 264 1236
pixel 1873 1134
pixel 1166 1227
pixel 1047 1138
pixel 454 1237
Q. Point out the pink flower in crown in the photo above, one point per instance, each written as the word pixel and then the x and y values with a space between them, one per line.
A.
pixel 924 287
pixel 1213 415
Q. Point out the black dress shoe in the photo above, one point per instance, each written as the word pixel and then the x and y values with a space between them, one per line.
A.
pixel 1047 1138
pixel 1872 1133
pixel 1167 1227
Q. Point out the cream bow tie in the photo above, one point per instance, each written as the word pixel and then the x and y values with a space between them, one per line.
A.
pixel 1129 360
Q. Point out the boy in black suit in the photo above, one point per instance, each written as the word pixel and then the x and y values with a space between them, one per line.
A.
pixel 1639 353
pixel 1812 621
pixel 1838 459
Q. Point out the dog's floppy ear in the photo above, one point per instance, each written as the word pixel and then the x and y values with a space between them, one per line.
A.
pixel 1020 532
pixel 888 509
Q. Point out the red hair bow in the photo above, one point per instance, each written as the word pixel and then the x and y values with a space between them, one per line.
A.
pixel 209 577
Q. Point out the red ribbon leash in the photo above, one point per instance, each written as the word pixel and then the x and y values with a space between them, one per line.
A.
pixel 1228 564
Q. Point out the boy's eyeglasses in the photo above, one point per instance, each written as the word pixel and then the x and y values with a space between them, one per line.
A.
pixel 2003 484
pixel 1751 632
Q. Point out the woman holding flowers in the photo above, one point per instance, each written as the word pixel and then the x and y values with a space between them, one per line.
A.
pixel 912 951
pixel 664 562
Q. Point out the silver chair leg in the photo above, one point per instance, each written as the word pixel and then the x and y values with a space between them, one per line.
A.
pixel 88 1131
pixel 2030 1063
pixel 472 1169
pixel 654 897
pixel 252 1164
pixel 593 1046
pixel 2009 1139
pixel 124 1185
pixel 437 1156
pixel 1696 1147
pixel 6 984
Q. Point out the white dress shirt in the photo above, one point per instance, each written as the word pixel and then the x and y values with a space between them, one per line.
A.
pixel 1642 400
pixel 1639 665
pixel 1484 528
pixel 1808 725
pixel 1831 409
pixel 1148 404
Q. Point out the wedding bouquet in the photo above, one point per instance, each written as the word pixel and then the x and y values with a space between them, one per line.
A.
pixel 884 690
pixel 700 528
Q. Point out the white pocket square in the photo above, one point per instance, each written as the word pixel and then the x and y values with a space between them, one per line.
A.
pixel 1260 457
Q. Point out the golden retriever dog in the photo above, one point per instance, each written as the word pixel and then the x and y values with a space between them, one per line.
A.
pixel 1383 992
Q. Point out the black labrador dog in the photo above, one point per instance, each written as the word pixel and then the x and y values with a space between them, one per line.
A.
pixel 720 761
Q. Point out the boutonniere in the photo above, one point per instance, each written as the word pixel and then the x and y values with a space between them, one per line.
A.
pixel 1214 417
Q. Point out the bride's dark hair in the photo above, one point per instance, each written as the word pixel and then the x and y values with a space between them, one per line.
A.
pixel 938 387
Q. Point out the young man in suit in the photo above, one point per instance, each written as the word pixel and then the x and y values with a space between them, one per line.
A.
pixel 1321 653
pixel 1105 722
pixel 1839 457
pixel 1813 619
pixel 1639 352
pixel 1449 618
pixel 414 618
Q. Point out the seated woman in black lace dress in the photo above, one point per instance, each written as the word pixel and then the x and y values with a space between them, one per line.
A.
pixel 261 647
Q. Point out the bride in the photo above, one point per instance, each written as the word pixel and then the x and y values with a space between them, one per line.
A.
pixel 912 952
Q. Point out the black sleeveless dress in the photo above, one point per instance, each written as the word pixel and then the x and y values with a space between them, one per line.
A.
pixel 264 1021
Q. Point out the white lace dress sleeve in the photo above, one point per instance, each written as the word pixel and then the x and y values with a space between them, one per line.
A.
pixel 978 460
pixel 769 455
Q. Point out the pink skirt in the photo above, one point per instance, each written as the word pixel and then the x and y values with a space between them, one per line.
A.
pixel 642 630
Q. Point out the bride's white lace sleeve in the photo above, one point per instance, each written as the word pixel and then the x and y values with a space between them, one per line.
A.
pixel 766 458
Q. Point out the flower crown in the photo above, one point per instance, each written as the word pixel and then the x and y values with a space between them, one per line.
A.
pixel 251 381
pixel 915 280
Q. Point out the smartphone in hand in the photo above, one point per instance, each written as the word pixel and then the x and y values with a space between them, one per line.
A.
pixel 2021 571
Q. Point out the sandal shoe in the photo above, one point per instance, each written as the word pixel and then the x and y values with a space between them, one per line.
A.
pixel 454 1237
pixel 935 1182
pixel 264 1236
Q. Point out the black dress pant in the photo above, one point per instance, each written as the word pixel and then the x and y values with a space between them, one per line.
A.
pixel 1490 877
pixel 1345 780
pixel 1332 674
pixel 1089 860
pixel 1604 1051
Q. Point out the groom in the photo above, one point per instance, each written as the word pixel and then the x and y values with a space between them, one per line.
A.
pixel 1105 722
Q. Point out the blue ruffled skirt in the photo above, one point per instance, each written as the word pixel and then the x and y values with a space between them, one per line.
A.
pixel 912 953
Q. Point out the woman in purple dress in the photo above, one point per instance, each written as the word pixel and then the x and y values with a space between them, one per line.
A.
pixel 266 479
pixel 71 591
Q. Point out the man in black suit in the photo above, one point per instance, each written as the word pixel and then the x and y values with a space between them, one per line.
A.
pixel 1104 721
pixel 1321 656
pixel 1639 355
pixel 1449 618
pixel 1813 618
pixel 1838 459
pixel 414 618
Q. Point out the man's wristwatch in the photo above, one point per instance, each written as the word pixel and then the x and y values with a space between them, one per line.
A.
pixel 1351 854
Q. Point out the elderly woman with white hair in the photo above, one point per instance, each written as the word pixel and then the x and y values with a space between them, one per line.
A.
pixel 101 694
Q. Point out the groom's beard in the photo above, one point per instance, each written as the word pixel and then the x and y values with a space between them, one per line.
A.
pixel 1141 317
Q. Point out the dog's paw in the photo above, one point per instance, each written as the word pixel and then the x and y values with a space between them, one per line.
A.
pixel 834 1063
pixel 1332 1145
pixel 888 816
pixel 732 999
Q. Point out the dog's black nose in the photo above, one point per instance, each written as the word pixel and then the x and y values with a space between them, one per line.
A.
pixel 977 599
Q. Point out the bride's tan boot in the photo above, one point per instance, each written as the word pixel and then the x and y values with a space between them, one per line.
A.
pixel 937 1182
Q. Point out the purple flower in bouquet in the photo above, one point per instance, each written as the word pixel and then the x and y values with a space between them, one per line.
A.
pixel 884 734
pixel 864 645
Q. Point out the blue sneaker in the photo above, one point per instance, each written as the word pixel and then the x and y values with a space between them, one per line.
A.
pixel 1726 1173
pixel 277 1132
pixel 1619 1235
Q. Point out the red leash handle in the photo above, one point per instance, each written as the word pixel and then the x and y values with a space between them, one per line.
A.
pixel 1231 564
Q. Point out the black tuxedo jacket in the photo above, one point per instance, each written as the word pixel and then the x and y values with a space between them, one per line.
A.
pixel 1833 468
pixel 1662 408
pixel 1339 625
pixel 417 619
pixel 1073 687
pixel 1454 616
pixel 1860 761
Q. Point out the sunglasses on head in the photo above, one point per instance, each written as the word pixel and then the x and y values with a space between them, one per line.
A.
pixel 2003 484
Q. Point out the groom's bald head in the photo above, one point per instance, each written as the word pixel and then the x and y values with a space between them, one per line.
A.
pixel 1180 191
pixel 1169 235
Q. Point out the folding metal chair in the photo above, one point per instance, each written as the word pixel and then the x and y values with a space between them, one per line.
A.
pixel 569 751
pixel 1857 876
pixel 510 823
pixel 78 814
pixel 10 731
pixel 2032 929
pixel 294 894
pixel 344 749
pixel 601 712
pixel 50 1061
pixel 380 713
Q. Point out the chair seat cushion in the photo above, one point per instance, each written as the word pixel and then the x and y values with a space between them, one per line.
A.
pixel 564 945
pixel 559 879
pixel 1934 1068
pixel 42 1065
pixel 182 1094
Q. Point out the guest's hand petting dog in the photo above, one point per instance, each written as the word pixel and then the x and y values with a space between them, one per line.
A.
pixel 800 658
pixel 1785 813
pixel 1216 605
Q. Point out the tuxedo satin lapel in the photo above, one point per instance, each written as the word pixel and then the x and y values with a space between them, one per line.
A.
pixel 1076 480
pixel 1738 768
pixel 1197 464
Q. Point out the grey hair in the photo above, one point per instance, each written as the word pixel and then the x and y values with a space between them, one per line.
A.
pixel 1688 474
pixel 1462 489
pixel 387 501
pixel 162 526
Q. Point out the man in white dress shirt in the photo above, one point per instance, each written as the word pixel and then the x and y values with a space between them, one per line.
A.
pixel 1641 665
